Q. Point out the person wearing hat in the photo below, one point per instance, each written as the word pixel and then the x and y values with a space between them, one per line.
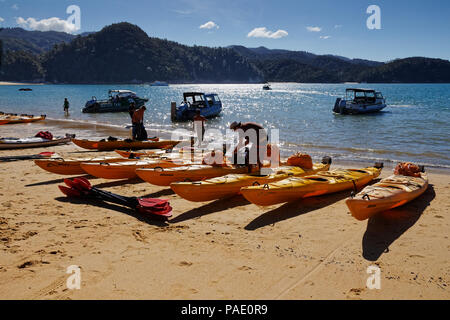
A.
pixel 244 130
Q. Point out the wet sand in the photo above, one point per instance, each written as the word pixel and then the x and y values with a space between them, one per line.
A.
pixel 226 249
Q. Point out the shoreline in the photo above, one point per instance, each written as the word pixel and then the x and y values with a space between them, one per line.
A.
pixel 97 130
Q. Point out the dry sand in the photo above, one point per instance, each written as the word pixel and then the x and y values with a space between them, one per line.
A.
pixel 226 249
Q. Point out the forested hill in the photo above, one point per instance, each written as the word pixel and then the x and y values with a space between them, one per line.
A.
pixel 124 53
pixel 37 42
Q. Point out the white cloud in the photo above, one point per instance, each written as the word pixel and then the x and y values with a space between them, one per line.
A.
pixel 50 24
pixel 325 37
pixel 314 29
pixel 338 26
pixel 209 25
pixel 15 7
pixel 264 33
pixel 1 19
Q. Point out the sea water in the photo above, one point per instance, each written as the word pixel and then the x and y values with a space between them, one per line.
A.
pixel 414 127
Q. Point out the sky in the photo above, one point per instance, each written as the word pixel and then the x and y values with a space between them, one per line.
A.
pixel 339 27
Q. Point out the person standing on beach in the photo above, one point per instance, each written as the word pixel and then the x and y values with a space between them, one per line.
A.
pixel 131 110
pixel 66 107
pixel 199 126
pixel 247 130
pixel 138 124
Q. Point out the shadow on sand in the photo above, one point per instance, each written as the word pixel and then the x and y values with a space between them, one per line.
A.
pixel 118 183
pixel 294 209
pixel 60 180
pixel 384 228
pixel 151 220
pixel 212 207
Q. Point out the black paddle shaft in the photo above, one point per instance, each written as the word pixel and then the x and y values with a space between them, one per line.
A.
pixel 131 202
pixel 14 158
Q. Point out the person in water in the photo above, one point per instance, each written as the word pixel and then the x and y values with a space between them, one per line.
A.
pixel 199 126
pixel 66 106
pixel 250 132
pixel 139 132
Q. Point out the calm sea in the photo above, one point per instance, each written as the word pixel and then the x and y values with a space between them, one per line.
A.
pixel 414 127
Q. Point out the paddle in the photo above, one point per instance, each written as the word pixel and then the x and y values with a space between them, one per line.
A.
pixel 80 187
pixel 27 157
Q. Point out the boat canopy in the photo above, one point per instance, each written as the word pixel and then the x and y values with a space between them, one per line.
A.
pixel 361 90
pixel 122 93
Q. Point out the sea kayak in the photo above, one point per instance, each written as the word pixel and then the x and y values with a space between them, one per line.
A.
pixel 72 166
pixel 147 154
pixel 389 193
pixel 127 169
pixel 32 142
pixel 13 119
pixel 231 184
pixel 164 177
pixel 123 144
pixel 295 188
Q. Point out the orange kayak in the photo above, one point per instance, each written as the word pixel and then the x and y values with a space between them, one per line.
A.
pixel 72 166
pixel 10 119
pixel 127 169
pixel 123 144
pixel 295 188
pixel 389 193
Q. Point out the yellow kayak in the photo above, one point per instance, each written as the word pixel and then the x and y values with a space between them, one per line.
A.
pixel 127 169
pixel 72 166
pixel 295 188
pixel 231 184
pixel 387 194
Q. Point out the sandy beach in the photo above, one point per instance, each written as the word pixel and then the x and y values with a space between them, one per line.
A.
pixel 226 249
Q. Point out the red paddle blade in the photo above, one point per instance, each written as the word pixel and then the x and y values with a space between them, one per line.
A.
pixel 46 154
pixel 159 207
pixel 69 183
pixel 69 192
pixel 82 183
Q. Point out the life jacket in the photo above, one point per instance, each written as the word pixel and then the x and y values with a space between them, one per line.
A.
pixel 407 169
pixel 301 160
pixel 44 135
pixel 210 159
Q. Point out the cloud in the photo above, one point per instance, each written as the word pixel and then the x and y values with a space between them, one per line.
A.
pixel 325 37
pixel 50 24
pixel 15 7
pixel 314 29
pixel 209 25
pixel 264 33
pixel 1 19
pixel 338 26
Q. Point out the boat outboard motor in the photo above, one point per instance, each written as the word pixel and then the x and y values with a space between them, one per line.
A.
pixel 336 108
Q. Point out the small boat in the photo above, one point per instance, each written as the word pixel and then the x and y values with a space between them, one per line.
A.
pixel 33 142
pixel 118 101
pixel 325 182
pixel 25 89
pixel 230 185
pixel 267 87
pixel 159 84
pixel 72 166
pixel 24 118
pixel 360 101
pixel 209 105
pixel 389 193
pixel 126 144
